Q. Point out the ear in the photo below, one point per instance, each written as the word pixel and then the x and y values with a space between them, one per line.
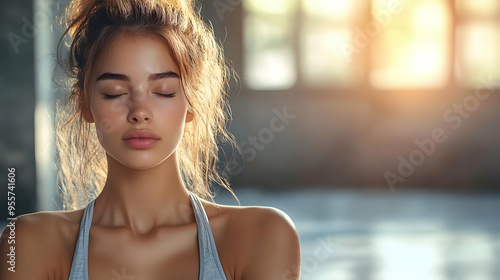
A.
pixel 189 116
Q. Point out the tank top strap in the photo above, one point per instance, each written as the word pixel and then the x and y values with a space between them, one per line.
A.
pixel 79 265
pixel 210 265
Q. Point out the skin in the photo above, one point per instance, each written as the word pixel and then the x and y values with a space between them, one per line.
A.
pixel 143 224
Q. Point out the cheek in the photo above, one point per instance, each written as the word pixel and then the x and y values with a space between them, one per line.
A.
pixel 175 115
pixel 105 119
pixel 176 106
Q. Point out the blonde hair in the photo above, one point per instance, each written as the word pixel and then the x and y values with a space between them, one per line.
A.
pixel 91 24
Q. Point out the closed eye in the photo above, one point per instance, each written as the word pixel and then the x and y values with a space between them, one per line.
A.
pixel 167 95
pixel 108 96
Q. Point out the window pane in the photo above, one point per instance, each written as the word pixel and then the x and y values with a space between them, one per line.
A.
pixel 323 62
pixel 478 52
pixel 279 7
pixel 409 51
pixel 325 33
pixel 269 61
pixel 333 10
pixel 478 7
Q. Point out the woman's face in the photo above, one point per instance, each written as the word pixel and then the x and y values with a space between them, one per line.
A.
pixel 136 86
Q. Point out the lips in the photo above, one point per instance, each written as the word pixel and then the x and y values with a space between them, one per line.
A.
pixel 140 134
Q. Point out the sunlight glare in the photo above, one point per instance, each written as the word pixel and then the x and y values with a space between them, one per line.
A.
pixel 271 69
pixel 405 257
pixel 430 15
pixel 477 52
pixel 425 60
pixel 411 50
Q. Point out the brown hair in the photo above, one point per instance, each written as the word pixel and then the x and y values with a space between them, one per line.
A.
pixel 91 24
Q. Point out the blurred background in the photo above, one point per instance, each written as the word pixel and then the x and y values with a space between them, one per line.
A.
pixel 373 124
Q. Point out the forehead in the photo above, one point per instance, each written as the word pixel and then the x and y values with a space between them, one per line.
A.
pixel 135 54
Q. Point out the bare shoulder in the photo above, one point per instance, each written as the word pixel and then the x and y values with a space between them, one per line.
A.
pixel 268 239
pixel 250 214
pixel 260 219
pixel 35 245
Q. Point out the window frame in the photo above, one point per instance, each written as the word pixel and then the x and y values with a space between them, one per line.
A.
pixel 364 87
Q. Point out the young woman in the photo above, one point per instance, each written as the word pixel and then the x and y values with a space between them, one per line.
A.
pixel 137 143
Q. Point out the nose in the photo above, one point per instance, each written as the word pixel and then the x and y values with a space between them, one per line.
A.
pixel 136 116
pixel 139 113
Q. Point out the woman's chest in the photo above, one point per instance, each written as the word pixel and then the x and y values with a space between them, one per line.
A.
pixel 173 255
pixel 184 266
pixel 166 254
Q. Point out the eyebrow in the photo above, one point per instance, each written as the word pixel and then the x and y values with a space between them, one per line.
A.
pixel 123 77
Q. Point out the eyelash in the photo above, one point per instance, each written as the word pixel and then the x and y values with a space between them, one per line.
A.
pixel 170 95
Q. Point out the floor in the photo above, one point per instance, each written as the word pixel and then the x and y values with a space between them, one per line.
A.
pixel 401 235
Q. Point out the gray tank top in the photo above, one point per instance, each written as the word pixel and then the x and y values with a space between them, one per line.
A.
pixel 210 265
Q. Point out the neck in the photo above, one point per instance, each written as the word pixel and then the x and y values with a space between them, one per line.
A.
pixel 143 200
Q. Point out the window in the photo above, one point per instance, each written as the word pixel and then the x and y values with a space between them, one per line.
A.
pixel 411 50
pixel 477 41
pixel 325 30
pixel 268 44
pixel 380 44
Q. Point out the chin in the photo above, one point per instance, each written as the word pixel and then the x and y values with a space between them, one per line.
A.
pixel 136 162
pixel 140 166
